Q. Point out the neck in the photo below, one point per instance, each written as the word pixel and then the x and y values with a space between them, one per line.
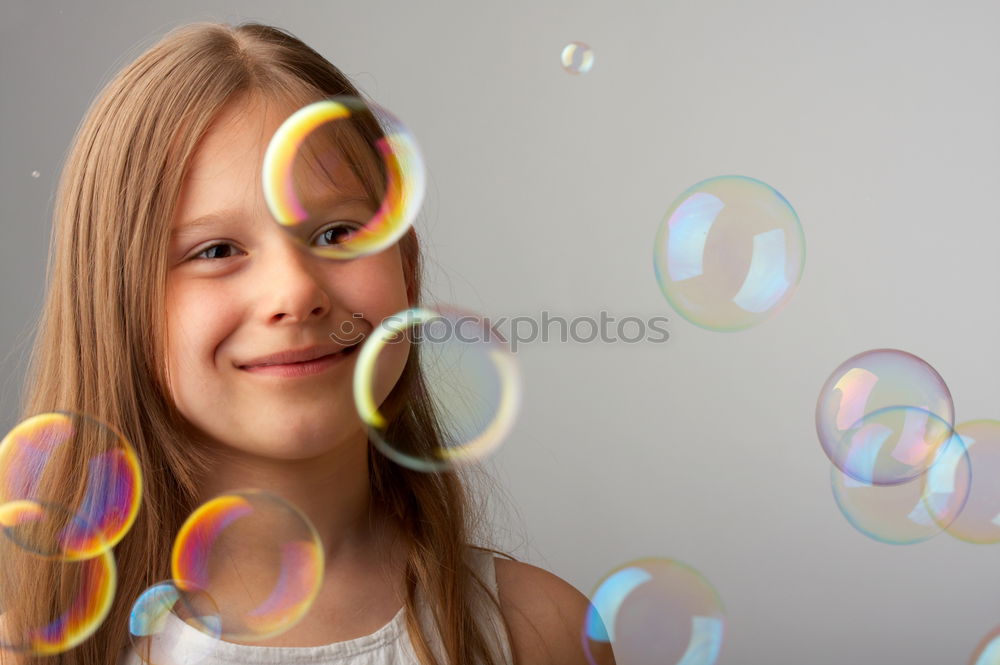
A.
pixel 331 490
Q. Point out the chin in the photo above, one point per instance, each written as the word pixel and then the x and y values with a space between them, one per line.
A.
pixel 293 444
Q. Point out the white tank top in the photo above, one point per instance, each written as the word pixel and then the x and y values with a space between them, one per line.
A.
pixel 181 644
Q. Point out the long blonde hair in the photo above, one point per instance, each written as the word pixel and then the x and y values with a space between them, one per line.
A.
pixel 100 342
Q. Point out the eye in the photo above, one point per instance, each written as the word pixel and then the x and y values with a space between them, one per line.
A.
pixel 220 250
pixel 337 232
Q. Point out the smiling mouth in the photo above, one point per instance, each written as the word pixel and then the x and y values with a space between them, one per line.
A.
pixel 343 352
pixel 305 364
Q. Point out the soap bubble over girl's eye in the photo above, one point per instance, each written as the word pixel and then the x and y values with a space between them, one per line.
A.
pixel 244 599
pixel 336 234
pixel 471 377
pixel 655 611
pixel 577 58
pixel 344 157
pixel 729 253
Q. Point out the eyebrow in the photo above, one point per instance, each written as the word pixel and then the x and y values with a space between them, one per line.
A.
pixel 227 215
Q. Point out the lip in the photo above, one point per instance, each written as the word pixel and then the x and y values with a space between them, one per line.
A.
pixel 304 362
pixel 293 356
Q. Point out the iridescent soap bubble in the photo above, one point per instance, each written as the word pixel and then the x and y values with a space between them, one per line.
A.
pixel 892 445
pixel 39 454
pixel 49 530
pixel 313 184
pixel 36 174
pixel 729 253
pixel 655 611
pixel 85 591
pixel 988 650
pixel 874 380
pixel 909 512
pixel 250 560
pixel 577 58
pixel 471 378
pixel 163 632
pixel 979 521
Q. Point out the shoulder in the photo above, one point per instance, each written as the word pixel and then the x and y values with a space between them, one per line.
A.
pixel 545 614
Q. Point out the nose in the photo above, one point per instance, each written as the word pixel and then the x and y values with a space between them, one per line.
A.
pixel 292 284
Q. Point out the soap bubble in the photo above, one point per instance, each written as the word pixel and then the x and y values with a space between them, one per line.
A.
pixel 729 253
pixel 908 512
pixel 313 162
pixel 470 375
pixel 979 521
pixel 163 632
pixel 655 611
pixel 39 454
pixel 49 530
pixel 892 445
pixel 251 561
pixel 874 380
pixel 84 591
pixel 988 650
pixel 577 58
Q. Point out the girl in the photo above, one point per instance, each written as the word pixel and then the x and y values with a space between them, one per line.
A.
pixel 170 288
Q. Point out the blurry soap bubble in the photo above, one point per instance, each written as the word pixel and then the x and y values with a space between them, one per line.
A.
pixel 979 521
pixel 909 512
pixel 471 378
pixel 987 652
pixel 729 253
pixel 35 174
pixel 251 562
pixel 874 380
pixel 39 454
pixel 319 177
pixel 577 58
pixel 48 626
pixel 49 530
pixel 163 632
pixel 654 611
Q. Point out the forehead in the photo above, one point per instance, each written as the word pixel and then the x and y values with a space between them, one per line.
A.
pixel 225 169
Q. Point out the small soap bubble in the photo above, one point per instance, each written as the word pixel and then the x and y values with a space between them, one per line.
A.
pixel 87 589
pixel 163 632
pixel 654 611
pixel 875 380
pixel 471 378
pixel 909 512
pixel 577 58
pixel 317 165
pixel 36 174
pixel 249 560
pixel 39 454
pixel 729 253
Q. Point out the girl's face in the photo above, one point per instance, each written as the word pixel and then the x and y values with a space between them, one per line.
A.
pixel 239 288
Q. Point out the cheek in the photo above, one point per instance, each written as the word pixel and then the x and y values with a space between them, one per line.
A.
pixel 196 321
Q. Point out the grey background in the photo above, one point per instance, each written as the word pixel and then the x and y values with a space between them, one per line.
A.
pixel 877 120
